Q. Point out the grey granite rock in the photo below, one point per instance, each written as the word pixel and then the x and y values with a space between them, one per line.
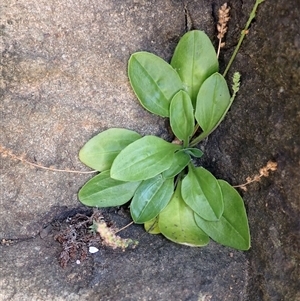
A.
pixel 64 79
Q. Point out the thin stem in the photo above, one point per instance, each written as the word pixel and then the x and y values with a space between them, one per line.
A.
pixel 124 227
pixel 248 182
pixel 198 139
pixel 195 129
pixel 243 34
pixel 54 169
pixel 186 143
pixel 219 48
pixel 193 141
pixel 4 152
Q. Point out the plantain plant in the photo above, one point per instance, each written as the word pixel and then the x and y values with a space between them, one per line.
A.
pixel 169 193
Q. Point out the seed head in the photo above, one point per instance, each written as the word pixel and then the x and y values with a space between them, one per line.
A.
pixel 223 16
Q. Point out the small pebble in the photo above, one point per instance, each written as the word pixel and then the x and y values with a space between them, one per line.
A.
pixel 93 250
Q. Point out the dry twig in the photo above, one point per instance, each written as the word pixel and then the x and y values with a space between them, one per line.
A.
pixel 8 153
pixel 263 172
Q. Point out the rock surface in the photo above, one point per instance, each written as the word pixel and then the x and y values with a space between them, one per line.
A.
pixel 64 80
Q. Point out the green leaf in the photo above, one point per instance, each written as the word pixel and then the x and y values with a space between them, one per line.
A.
pixel 103 191
pixel 180 161
pixel 194 152
pixel 232 229
pixel 195 60
pixel 151 197
pixel 143 159
pixel 152 226
pixel 182 116
pixel 154 82
pixel 176 222
pixel 212 101
pixel 100 151
pixel 202 193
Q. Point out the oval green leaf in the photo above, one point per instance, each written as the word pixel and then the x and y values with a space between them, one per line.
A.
pixel 154 82
pixel 182 116
pixel 180 161
pixel 194 60
pixel 176 222
pixel 232 229
pixel 100 151
pixel 103 191
pixel 143 159
pixel 202 193
pixel 213 101
pixel 151 197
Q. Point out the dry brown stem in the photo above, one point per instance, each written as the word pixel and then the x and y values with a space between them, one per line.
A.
pixel 223 18
pixel 8 153
pixel 263 172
